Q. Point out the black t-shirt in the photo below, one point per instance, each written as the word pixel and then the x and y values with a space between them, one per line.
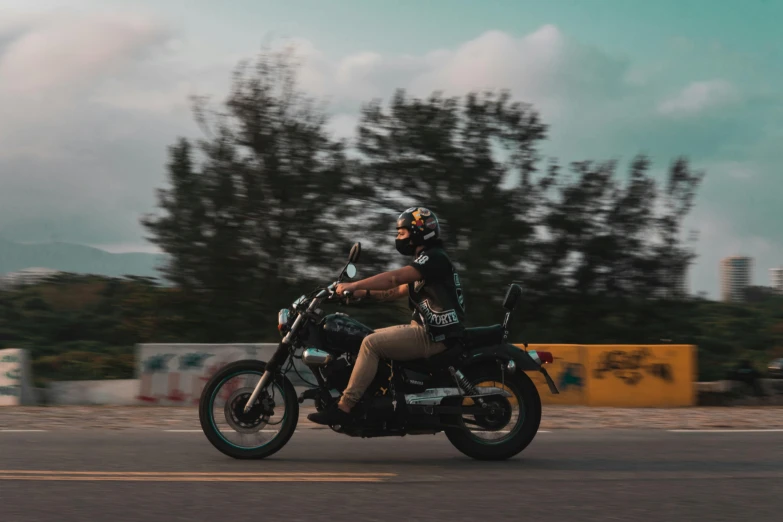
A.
pixel 436 300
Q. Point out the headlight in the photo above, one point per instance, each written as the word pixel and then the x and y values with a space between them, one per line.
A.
pixel 282 319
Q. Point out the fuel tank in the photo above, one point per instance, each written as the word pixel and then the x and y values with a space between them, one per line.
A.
pixel 343 334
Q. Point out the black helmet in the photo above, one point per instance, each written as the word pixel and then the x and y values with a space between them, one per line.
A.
pixel 423 226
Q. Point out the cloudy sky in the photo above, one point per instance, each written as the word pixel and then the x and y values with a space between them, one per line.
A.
pixel 92 93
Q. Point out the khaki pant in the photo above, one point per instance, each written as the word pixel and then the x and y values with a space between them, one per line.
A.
pixel 397 343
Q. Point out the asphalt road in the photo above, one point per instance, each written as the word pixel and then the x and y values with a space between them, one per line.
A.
pixel 562 476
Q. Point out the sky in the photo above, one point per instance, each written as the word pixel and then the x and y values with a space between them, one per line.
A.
pixel 93 92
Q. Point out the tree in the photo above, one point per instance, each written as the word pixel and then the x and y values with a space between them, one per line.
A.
pixel 681 188
pixel 445 154
pixel 609 248
pixel 262 210
pixel 180 232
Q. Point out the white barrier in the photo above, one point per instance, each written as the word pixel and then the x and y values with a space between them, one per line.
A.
pixel 115 392
pixel 118 392
pixel 15 377
pixel 175 374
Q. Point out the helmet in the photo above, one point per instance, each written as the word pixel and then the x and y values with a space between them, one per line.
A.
pixel 422 224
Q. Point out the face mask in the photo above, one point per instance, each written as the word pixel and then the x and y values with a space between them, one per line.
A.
pixel 404 247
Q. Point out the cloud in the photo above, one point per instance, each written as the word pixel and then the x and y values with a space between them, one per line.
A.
pixel 739 170
pixel 699 97
pixel 54 63
pixel 67 166
pixel 544 68
pixel 570 85
pixel 67 51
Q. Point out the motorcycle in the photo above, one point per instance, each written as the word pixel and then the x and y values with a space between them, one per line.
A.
pixel 473 386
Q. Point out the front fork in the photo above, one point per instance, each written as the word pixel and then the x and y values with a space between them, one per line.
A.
pixel 271 367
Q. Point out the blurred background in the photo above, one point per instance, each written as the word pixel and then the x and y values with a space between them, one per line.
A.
pixel 180 172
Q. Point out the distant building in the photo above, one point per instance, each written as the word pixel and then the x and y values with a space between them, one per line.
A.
pixel 776 277
pixel 735 275
pixel 27 276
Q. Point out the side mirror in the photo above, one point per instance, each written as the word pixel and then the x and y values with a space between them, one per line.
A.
pixel 356 251
pixel 512 297
pixel 350 271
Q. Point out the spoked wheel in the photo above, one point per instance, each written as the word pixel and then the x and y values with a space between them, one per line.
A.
pixel 509 424
pixel 265 428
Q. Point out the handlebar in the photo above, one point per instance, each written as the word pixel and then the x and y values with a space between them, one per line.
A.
pixel 331 291
pixel 333 296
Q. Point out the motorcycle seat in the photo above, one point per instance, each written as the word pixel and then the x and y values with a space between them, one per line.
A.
pixel 472 338
pixel 483 336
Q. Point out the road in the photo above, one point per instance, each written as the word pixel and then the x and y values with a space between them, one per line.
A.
pixel 563 475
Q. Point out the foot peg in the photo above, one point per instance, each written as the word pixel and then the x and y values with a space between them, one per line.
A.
pixel 311 393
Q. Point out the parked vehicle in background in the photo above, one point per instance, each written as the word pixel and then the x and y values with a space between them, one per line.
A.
pixel 775 369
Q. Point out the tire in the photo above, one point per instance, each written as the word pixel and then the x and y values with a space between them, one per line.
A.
pixel 205 411
pixel 522 387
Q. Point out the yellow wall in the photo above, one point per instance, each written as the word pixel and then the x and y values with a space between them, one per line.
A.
pixel 619 375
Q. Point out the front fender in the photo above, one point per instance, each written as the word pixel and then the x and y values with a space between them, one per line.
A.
pixel 508 352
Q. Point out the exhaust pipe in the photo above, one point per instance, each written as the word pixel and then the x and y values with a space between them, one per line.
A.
pixel 434 396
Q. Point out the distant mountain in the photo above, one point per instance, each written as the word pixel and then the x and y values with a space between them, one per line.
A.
pixel 79 259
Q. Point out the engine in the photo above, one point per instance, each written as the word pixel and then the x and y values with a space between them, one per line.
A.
pixel 341 338
pixel 337 372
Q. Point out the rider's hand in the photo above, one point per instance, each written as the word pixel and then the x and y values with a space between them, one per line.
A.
pixel 345 287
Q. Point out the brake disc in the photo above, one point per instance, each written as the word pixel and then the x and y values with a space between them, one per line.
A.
pixel 256 418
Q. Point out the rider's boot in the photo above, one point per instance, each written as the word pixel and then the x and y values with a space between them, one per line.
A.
pixel 331 416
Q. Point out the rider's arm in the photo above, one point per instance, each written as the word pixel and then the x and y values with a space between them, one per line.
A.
pixel 384 295
pixel 391 280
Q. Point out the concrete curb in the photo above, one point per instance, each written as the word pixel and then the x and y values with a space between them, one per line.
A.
pixel 162 418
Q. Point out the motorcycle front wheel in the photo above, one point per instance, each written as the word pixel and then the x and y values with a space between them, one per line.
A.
pixel 260 432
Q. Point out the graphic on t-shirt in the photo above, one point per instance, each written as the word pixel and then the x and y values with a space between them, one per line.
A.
pixel 438 318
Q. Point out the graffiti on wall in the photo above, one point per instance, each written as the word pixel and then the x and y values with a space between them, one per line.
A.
pixel 572 376
pixel 184 376
pixel 176 374
pixel 632 366
pixel 10 391
pixel 193 361
pixel 568 371
pixel 157 363
pixel 14 380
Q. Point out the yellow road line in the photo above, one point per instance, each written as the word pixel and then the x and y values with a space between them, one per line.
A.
pixel 201 473
pixel 192 476
pixel 114 478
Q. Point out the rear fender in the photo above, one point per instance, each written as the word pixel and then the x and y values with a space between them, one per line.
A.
pixel 505 353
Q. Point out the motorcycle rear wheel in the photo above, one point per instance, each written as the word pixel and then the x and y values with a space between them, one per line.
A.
pixel 519 436
pixel 254 418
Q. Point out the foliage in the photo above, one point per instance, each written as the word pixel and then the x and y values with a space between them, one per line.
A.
pixel 97 339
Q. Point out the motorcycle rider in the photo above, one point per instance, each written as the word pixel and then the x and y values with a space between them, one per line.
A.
pixel 432 286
